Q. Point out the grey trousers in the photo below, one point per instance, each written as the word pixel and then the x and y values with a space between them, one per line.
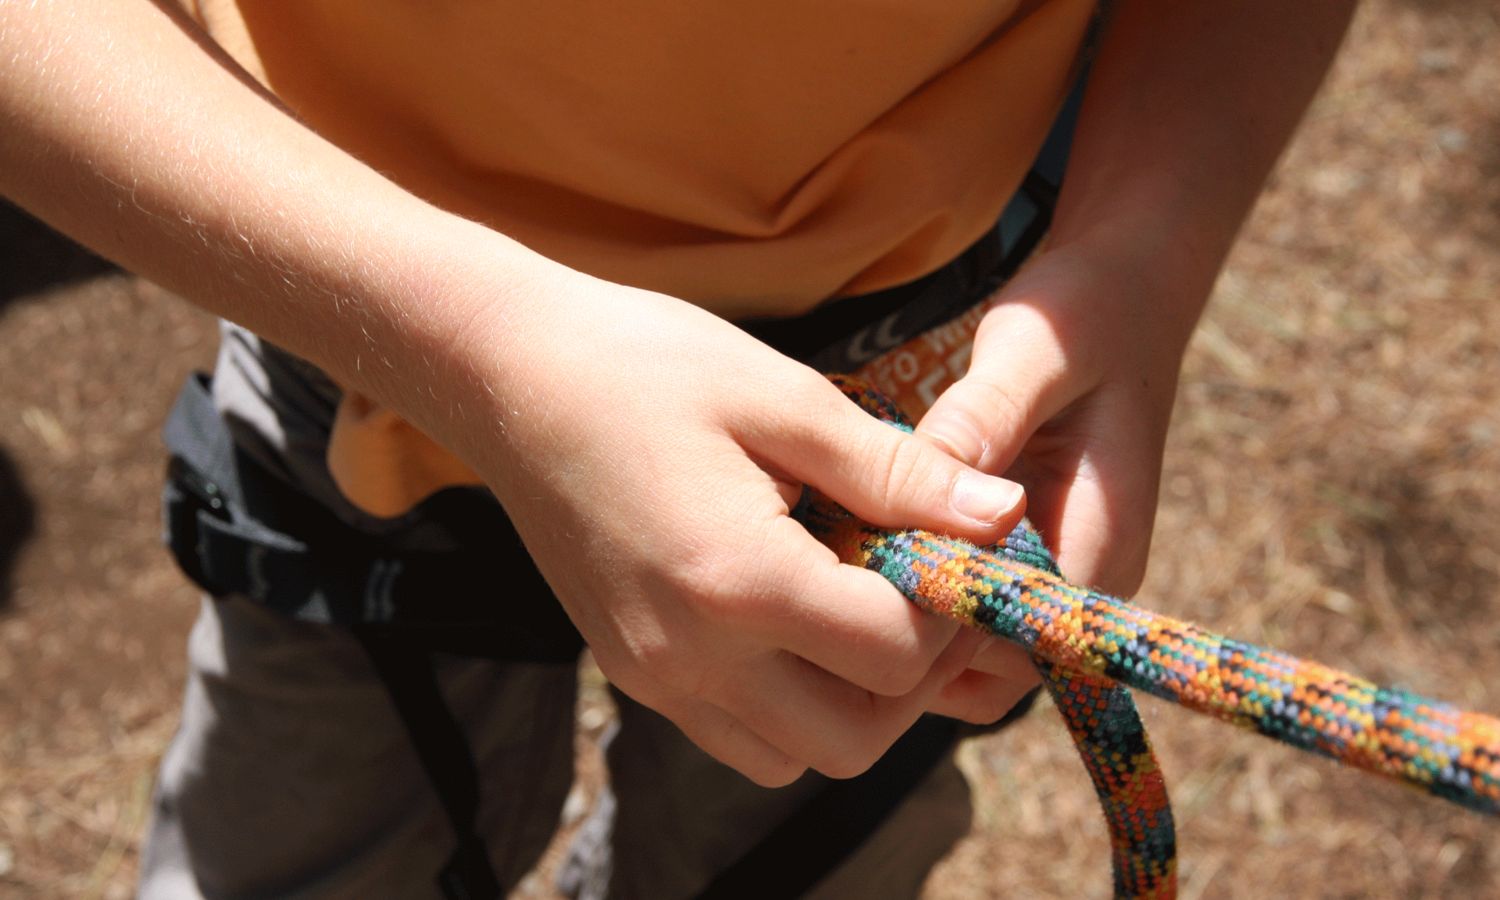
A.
pixel 291 776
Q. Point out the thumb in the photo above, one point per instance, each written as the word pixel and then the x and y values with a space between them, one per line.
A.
pixel 891 478
pixel 1015 383
pixel 980 421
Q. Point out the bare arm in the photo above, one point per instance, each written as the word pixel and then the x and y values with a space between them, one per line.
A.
pixel 646 450
pixel 133 134
pixel 1187 108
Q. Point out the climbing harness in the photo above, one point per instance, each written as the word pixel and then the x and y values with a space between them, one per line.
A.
pixel 1090 648
pixel 238 529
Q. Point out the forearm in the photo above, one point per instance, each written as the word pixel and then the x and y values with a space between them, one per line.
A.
pixel 1075 366
pixel 1187 108
pixel 127 131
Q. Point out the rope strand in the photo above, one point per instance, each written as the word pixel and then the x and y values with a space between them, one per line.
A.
pixel 1090 647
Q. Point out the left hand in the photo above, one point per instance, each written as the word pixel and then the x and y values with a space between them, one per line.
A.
pixel 1069 393
pixel 1075 367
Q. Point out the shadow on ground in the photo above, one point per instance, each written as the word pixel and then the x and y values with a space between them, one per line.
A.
pixel 34 258
pixel 17 522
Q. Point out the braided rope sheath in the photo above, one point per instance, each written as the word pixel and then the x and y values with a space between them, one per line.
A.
pixel 1089 647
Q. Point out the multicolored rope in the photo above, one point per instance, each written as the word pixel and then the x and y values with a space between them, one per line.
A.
pixel 1091 647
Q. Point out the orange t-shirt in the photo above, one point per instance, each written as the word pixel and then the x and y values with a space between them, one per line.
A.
pixel 752 158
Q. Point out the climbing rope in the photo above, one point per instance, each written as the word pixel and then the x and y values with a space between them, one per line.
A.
pixel 1091 647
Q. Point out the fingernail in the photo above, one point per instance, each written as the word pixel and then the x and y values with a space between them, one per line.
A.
pixel 984 498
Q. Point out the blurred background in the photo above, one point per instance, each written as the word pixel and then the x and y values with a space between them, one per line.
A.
pixel 1332 488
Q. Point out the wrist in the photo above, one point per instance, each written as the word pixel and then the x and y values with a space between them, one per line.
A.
pixel 452 292
pixel 1157 279
pixel 447 326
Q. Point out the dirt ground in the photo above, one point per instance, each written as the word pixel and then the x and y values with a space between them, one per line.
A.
pixel 1332 488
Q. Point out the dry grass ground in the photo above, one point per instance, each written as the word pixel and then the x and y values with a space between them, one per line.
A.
pixel 1332 488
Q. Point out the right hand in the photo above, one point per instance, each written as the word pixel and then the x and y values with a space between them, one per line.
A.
pixel 647 451
pixel 649 454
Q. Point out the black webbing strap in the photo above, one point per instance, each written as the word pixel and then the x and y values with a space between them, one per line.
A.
pixel 443 750
pixel 822 833
pixel 297 558
pixel 235 528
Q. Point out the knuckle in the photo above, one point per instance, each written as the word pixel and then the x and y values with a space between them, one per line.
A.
pixel 872 733
pixel 989 402
pixel 665 661
pixel 754 583
pixel 902 675
pixel 898 471
pixel 713 584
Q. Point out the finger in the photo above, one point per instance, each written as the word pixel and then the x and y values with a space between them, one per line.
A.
pixel 825 722
pixel 1016 381
pixel 844 619
pixel 882 474
pixel 716 733
pixel 1003 659
pixel 726 739
pixel 1097 505
pixel 980 698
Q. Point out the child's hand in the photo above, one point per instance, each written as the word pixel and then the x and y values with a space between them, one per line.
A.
pixel 649 453
pixel 1069 392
